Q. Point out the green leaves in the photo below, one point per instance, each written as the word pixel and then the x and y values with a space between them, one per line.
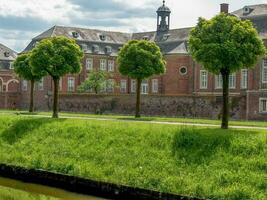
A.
pixel 96 81
pixel 56 57
pixel 141 59
pixel 23 68
pixel 225 43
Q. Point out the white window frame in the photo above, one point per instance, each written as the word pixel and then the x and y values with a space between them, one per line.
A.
pixel 155 85
pixel 89 64
pixel 1 85
pixel 40 84
pixel 204 79
pixel 123 86
pixel 218 81
pixel 263 101
pixel 24 85
pixel 264 71
pixel 144 87
pixel 60 84
pixel 110 86
pixel 103 65
pixel 232 81
pixel 11 66
pixel 133 86
pixel 244 79
pixel 71 84
pixel 111 64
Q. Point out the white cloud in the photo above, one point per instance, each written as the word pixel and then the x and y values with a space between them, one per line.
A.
pixel 138 15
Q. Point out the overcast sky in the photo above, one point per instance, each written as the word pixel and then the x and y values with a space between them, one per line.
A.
pixel 21 20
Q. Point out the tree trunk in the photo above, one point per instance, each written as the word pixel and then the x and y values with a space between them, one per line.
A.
pixel 31 108
pixel 138 99
pixel 225 110
pixel 56 97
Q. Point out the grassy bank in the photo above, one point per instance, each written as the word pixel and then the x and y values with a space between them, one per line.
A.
pixel 209 163
pixel 145 118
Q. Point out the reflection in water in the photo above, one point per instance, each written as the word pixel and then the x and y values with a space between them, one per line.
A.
pixel 16 190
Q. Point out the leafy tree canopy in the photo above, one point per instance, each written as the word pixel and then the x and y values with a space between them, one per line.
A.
pixel 140 59
pixel 225 43
pixel 56 57
pixel 96 81
pixel 23 69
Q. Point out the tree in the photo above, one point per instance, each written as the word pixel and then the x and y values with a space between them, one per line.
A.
pixel 23 69
pixel 56 56
pixel 140 60
pixel 223 45
pixel 96 81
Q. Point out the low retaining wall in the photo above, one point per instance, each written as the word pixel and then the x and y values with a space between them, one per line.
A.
pixel 9 100
pixel 175 106
pixel 84 186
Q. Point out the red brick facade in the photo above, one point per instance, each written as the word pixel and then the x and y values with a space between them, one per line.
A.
pixel 184 78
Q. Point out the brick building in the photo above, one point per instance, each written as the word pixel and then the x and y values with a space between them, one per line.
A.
pixel 183 78
pixel 9 84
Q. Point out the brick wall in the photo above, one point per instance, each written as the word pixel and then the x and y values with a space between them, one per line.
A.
pixel 152 105
pixel 9 100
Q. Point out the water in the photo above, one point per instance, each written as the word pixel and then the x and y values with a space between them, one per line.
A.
pixel 17 190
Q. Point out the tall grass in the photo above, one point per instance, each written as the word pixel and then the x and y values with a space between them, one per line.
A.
pixel 209 163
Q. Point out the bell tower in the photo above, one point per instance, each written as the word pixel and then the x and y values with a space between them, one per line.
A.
pixel 163 18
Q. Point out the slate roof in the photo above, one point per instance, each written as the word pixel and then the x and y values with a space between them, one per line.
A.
pixel 3 53
pixel 171 42
pixel 258 15
pixel 88 38
pixel 254 11
pixel 7 55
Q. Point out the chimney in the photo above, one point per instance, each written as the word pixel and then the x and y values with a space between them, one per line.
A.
pixel 225 8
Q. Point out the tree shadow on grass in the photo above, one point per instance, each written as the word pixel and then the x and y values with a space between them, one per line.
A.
pixel 197 146
pixel 21 128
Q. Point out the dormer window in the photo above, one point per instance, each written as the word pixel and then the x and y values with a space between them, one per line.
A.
pixel 75 34
pixel 95 48
pixel 7 54
pixel 108 49
pixel 166 36
pixel 84 47
pixel 145 37
pixel 102 37
pixel 246 10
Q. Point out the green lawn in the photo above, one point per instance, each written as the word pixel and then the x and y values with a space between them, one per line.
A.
pixel 145 118
pixel 209 163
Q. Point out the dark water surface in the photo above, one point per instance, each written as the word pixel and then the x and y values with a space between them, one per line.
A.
pixel 16 190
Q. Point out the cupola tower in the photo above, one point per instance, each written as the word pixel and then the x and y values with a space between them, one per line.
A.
pixel 163 18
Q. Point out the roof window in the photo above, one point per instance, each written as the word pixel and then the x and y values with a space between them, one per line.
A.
pixel 108 49
pixel 102 37
pixel 145 37
pixel 7 54
pixel 95 48
pixel 166 36
pixel 246 10
pixel 75 34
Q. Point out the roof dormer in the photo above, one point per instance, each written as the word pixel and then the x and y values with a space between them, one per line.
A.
pixel 108 49
pixel 7 54
pixel 95 48
pixel 102 37
pixel 246 10
pixel 75 34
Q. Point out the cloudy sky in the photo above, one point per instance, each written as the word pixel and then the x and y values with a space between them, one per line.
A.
pixel 21 20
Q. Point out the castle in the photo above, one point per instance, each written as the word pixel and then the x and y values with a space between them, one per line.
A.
pixel 185 80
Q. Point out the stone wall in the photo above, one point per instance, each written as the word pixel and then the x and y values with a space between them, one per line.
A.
pixel 182 106
pixel 9 100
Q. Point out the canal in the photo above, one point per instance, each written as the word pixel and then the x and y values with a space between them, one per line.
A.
pixel 16 190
